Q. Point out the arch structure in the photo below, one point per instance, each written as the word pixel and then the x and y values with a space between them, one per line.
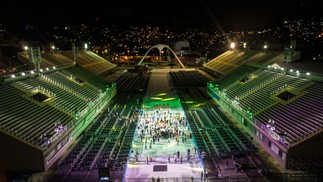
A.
pixel 160 47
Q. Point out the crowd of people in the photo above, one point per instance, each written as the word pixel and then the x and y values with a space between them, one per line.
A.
pixel 161 123
pixel 164 130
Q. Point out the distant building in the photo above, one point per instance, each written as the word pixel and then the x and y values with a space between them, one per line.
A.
pixel 6 38
pixel 182 48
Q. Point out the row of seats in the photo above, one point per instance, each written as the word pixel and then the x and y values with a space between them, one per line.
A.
pixel 225 136
pixel 132 82
pixel 294 119
pixel 226 62
pixel 229 61
pixel 188 79
pixel 53 99
pixel 17 119
pixel 95 142
pixel 299 118
pixel 105 143
pixel 93 62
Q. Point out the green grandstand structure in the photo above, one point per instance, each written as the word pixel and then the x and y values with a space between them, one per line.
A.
pixel 78 113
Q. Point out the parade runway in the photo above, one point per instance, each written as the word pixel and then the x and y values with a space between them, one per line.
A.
pixel 167 157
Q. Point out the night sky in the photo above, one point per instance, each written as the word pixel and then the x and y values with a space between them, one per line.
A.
pixel 227 14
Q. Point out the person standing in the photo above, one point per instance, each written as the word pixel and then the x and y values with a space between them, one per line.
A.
pixel 205 174
pixel 194 149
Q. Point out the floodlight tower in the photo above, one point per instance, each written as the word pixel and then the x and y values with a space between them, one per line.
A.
pixel 287 57
pixel 292 46
pixel 75 53
pixel 35 58
pixel 246 52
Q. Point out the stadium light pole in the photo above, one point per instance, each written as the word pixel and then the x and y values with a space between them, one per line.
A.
pixel 287 57
pixel 246 52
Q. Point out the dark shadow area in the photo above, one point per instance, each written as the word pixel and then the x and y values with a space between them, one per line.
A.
pixel 286 95
pixel 79 80
pixel 39 97
pixel 245 79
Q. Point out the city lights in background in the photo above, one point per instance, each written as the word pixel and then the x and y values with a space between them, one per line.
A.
pixel 244 45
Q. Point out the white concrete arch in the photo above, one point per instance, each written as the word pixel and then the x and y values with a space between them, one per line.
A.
pixel 160 47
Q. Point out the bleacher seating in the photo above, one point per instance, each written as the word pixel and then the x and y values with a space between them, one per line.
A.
pixel 107 141
pixel 95 63
pixel 258 92
pixel 132 82
pixel 229 61
pixel 48 59
pixel 17 119
pixel 65 95
pixel 299 118
pixel 188 79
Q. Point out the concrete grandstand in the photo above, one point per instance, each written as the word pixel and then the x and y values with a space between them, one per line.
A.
pixel 79 113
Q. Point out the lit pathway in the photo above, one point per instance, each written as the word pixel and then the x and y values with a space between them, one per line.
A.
pixel 160 105
pixel 159 152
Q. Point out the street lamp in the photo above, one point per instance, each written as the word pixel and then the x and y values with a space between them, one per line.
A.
pixel 85 46
pixel 265 48
pixel 232 45
pixel 26 50
pixel 53 49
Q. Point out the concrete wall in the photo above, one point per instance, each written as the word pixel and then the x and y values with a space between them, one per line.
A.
pixel 17 155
